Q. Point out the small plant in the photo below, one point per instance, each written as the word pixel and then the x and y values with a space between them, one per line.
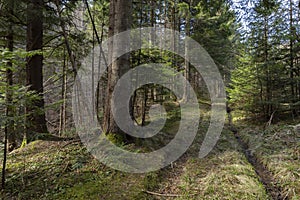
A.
pixel 152 180
pixel 117 139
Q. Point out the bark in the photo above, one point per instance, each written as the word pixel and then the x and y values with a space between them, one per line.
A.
pixel 62 120
pixel 102 55
pixel 269 108
pixel 66 40
pixel 186 62
pixel 293 89
pixel 120 20
pixel 11 135
pixel 152 21
pixel 144 105
pixel 135 103
pixel 36 121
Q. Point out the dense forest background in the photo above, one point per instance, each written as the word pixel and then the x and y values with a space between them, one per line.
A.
pixel 254 43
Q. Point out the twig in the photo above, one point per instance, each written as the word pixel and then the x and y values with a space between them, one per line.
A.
pixel 50 123
pixel 66 167
pixel 271 118
pixel 205 103
pixel 71 142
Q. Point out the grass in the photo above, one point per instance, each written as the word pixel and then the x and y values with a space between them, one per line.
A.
pixel 59 170
pixel 278 148
pixel 224 174
pixel 48 170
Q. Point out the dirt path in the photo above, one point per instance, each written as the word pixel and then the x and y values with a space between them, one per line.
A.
pixel 264 174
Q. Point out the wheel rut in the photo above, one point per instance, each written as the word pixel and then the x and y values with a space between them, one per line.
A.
pixel 265 176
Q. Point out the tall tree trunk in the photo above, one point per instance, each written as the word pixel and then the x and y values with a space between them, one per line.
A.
pixel 293 89
pixel 152 20
pixel 65 36
pixel 98 101
pixel 144 105
pixel 62 120
pixel 120 20
pixel 268 110
pixel 186 62
pixel 36 120
pixel 11 137
pixel 134 98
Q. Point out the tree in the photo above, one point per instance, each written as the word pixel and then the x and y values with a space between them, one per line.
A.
pixel 269 82
pixel 120 20
pixel 185 9
pixel 9 128
pixel 34 70
pixel 9 135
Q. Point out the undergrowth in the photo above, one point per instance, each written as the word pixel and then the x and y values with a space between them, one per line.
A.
pixel 66 170
pixel 278 148
pixel 224 174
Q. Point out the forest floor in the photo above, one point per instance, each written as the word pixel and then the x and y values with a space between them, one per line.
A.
pixel 253 163
pixel 275 150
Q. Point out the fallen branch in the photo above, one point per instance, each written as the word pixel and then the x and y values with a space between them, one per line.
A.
pixel 71 142
pixel 205 103
pixel 271 118
pixel 66 167
pixel 167 195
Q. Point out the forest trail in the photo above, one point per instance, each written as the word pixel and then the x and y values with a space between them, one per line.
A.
pixel 66 65
pixel 225 173
pixel 171 180
pixel 232 170
pixel 265 176
pixel 175 180
pixel 63 170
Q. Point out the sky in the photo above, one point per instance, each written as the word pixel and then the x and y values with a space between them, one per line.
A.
pixel 249 4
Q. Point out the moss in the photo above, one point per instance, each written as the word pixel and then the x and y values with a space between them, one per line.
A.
pixel 24 143
pixel 102 186
pixel 117 139
pixel 58 170
pixel 151 181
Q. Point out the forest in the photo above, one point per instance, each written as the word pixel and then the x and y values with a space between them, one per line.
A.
pixel 157 99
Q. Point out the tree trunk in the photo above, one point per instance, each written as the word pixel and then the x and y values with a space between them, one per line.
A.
pixel 268 100
pixel 144 105
pixel 11 137
pixel 36 120
pixel 62 120
pixel 186 62
pixel 120 15
pixel 293 89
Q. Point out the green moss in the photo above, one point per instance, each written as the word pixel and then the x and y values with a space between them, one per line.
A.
pixel 57 170
pixel 151 181
pixel 103 185
pixel 117 139
pixel 24 143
